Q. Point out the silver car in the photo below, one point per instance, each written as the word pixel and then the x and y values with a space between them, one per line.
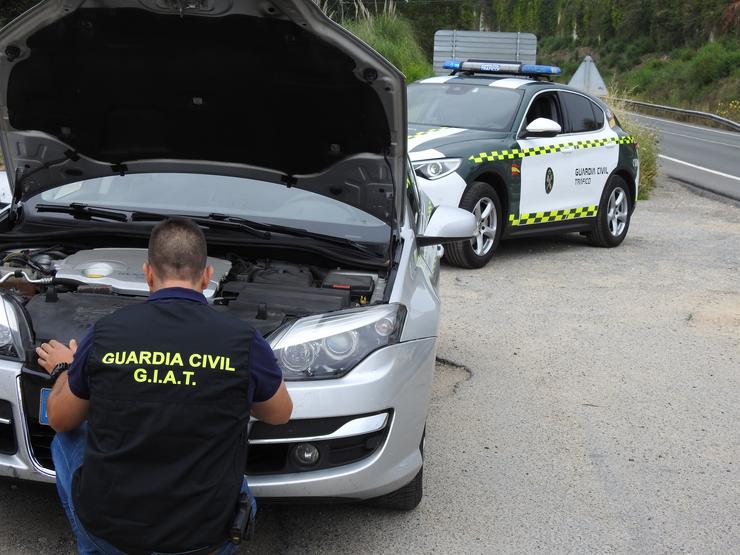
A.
pixel 284 137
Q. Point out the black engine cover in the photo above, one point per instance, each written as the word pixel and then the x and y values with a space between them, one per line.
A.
pixel 72 314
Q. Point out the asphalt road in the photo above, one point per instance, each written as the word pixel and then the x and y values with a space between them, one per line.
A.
pixel 599 411
pixel 701 156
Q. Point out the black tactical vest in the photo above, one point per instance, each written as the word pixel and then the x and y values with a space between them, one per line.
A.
pixel 167 426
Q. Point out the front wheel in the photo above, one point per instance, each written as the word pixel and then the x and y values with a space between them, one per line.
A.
pixel 482 200
pixel 409 496
pixel 613 219
pixel 406 498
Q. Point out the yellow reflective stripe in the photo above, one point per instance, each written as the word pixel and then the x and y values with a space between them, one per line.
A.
pixel 516 153
pixel 425 132
pixel 553 216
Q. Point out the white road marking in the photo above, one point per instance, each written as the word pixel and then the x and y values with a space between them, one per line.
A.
pixel 731 133
pixel 697 138
pixel 715 172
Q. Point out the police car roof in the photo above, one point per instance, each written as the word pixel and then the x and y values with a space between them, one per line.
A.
pixel 506 81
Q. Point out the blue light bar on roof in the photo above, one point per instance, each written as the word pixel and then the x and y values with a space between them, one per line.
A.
pixel 510 68
pixel 532 69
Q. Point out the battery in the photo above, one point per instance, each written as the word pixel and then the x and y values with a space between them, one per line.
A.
pixel 359 286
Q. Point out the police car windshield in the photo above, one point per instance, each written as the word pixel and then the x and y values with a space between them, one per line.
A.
pixel 463 105
pixel 196 194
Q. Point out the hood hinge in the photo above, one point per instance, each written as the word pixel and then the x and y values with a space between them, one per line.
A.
pixel 288 180
pixel 120 169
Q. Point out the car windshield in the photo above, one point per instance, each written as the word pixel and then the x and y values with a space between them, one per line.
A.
pixel 197 194
pixel 458 105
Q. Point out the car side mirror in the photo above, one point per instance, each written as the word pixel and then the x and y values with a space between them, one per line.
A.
pixel 542 127
pixel 448 225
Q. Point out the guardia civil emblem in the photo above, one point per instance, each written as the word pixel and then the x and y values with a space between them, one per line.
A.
pixel 549 180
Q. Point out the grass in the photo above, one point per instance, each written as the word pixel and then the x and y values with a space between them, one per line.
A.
pixel 393 37
pixel 646 139
pixel 705 78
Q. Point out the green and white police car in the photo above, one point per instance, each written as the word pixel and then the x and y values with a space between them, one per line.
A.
pixel 525 155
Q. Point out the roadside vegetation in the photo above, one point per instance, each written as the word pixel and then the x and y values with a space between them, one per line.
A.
pixel 705 78
pixel 684 53
pixel 380 26
pixel 647 141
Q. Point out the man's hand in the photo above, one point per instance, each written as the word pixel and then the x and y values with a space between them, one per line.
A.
pixel 66 411
pixel 54 352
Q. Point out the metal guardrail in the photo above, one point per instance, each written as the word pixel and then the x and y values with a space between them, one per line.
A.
pixel 713 119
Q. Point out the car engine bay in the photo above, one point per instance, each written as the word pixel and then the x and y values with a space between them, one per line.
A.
pixel 64 294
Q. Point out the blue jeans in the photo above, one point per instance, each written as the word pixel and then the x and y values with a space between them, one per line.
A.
pixel 67 450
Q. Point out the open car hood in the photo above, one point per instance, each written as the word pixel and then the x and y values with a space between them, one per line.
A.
pixel 264 89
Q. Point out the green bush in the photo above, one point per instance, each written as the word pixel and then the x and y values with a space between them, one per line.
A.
pixel 393 37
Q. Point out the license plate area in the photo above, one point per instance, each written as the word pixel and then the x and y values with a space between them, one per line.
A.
pixel 43 400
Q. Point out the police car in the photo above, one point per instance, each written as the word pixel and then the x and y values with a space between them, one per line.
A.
pixel 525 155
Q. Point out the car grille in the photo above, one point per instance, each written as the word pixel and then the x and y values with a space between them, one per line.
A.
pixel 263 459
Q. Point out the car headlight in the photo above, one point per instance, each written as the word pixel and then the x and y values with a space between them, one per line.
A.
pixel 330 345
pixel 434 169
pixel 10 335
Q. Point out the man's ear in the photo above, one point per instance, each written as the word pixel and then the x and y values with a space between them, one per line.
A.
pixel 148 274
pixel 206 277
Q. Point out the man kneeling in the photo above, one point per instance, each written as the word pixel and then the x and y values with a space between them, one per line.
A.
pixel 151 412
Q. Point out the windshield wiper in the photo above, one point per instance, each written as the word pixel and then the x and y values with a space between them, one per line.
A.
pixel 297 232
pixel 205 221
pixel 258 229
pixel 83 211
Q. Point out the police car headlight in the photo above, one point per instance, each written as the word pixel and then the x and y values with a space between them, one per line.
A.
pixel 434 169
pixel 10 336
pixel 330 345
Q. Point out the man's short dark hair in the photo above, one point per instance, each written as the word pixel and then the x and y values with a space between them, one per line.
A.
pixel 177 249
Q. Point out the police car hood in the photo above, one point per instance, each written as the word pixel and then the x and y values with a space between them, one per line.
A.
pixel 269 89
pixel 426 142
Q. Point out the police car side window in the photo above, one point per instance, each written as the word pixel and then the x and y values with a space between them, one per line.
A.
pixel 581 117
pixel 545 105
pixel 598 115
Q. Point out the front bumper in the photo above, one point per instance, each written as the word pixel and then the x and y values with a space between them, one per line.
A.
pixel 394 381
pixel 445 191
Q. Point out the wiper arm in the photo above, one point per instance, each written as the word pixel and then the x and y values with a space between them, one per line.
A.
pixel 205 221
pixel 257 229
pixel 83 211
pixel 296 232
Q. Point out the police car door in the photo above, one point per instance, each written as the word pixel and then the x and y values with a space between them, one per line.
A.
pixel 544 166
pixel 594 153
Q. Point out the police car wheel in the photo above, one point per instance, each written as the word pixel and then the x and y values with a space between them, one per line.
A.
pixel 613 219
pixel 482 200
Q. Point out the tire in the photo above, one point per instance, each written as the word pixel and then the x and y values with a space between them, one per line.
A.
pixel 409 496
pixel 615 212
pixel 477 252
pixel 406 498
